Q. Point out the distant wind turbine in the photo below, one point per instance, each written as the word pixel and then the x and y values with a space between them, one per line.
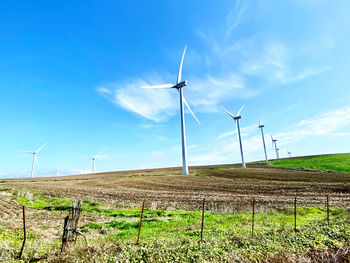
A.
pixel 18 174
pixel 289 153
pixel 261 127
pixel 35 159
pixel 236 118
pixel 58 170
pixel 179 85
pixel 274 143
pixel 93 158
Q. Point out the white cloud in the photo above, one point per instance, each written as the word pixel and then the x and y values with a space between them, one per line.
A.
pixel 273 62
pixel 205 94
pixel 103 90
pixel 153 104
pixel 234 18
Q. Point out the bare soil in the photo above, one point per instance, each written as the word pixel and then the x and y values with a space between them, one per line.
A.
pixel 225 187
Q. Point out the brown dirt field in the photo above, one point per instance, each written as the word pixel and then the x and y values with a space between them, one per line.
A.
pixel 224 189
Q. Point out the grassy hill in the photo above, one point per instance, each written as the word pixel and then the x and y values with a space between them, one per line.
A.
pixel 331 162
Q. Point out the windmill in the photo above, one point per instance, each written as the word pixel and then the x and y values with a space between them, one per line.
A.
pixel 57 171
pixel 289 153
pixel 35 159
pixel 93 158
pixel 261 127
pixel 274 143
pixel 18 173
pixel 237 118
pixel 179 85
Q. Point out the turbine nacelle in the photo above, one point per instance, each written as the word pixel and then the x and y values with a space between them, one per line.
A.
pixel 180 85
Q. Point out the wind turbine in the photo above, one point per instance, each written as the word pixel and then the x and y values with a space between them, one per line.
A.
pixel 261 127
pixel 289 153
pixel 57 171
pixel 35 159
pixel 179 85
pixel 93 158
pixel 237 118
pixel 19 173
pixel 274 143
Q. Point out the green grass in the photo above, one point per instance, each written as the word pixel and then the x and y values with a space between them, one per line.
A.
pixel 334 162
pixel 175 235
pixel 37 200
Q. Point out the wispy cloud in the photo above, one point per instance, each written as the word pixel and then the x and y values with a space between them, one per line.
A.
pixel 234 17
pixel 207 93
pixel 157 105
pixel 273 63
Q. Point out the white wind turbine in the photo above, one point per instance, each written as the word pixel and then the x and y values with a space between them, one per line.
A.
pixel 289 153
pixel 93 158
pixel 274 143
pixel 237 118
pixel 18 173
pixel 35 159
pixel 261 127
pixel 58 170
pixel 179 85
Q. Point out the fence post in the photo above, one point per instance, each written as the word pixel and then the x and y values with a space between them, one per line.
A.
pixel 202 219
pixel 24 232
pixel 295 213
pixel 70 231
pixel 328 209
pixel 253 216
pixel 138 237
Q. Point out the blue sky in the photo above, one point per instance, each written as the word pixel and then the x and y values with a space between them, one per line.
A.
pixel 71 72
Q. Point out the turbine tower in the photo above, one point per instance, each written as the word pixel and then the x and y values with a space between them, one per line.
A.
pixel 261 127
pixel 274 143
pixel 179 85
pixel 289 153
pixel 35 159
pixel 237 118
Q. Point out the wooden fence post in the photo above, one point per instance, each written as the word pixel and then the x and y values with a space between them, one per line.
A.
pixel 253 216
pixel 24 232
pixel 202 219
pixel 328 209
pixel 138 237
pixel 295 213
pixel 70 231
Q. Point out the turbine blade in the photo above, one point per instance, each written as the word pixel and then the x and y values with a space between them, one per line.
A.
pixel 36 160
pixel 163 86
pixel 239 112
pixel 24 151
pixel 180 69
pixel 229 113
pixel 188 107
pixel 42 146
